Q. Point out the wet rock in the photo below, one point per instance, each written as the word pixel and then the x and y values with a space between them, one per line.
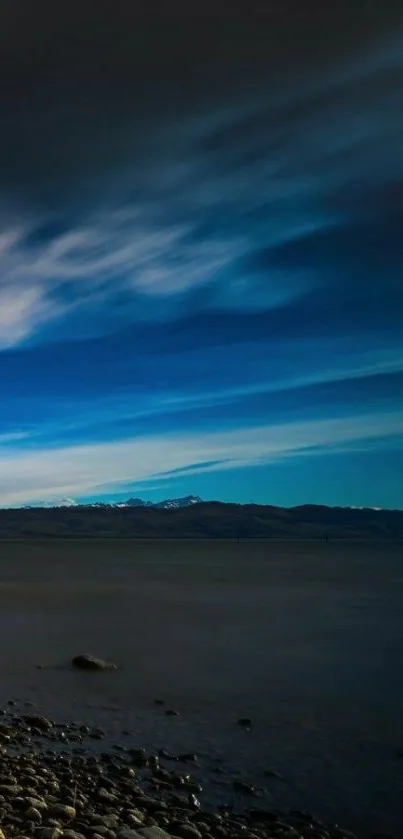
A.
pixel 185 830
pixel 245 722
pixel 104 795
pixel 138 756
pixel 153 833
pixel 245 789
pixel 33 815
pixel 50 833
pixel 10 789
pixel 42 723
pixel 153 761
pixel 151 804
pixel 194 802
pixel 90 662
pixel 64 812
pixel 97 734
pixel 38 803
pixel 127 833
pixel 171 713
pixel 134 819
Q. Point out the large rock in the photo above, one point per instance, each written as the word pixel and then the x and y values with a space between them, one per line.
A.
pixel 89 662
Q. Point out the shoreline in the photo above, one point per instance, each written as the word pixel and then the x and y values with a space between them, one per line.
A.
pixel 53 785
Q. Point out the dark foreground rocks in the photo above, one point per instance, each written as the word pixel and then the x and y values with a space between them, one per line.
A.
pixel 52 788
pixel 90 662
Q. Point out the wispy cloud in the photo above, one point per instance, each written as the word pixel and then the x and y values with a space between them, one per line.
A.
pixel 76 471
pixel 229 186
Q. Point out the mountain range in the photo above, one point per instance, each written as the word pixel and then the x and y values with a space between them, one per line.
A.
pixel 167 504
pixel 192 518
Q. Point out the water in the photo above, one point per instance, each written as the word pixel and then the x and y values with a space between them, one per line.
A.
pixel 304 638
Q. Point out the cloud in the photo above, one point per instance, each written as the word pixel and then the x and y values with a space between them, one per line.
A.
pixel 77 470
pixel 246 202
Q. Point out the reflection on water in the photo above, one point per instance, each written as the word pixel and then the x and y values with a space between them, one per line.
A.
pixel 305 639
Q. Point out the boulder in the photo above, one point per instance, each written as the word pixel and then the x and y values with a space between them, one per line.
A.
pixel 89 662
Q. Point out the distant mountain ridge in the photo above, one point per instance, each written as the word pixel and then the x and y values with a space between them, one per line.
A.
pixel 167 504
pixel 192 518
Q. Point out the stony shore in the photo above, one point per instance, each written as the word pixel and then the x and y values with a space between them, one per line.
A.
pixel 52 786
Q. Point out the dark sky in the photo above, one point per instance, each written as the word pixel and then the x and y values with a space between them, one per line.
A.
pixel 201 214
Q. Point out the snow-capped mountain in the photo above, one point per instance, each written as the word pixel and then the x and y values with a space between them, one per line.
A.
pixel 168 504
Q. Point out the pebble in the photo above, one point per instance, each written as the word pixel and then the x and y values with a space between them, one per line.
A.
pixel 50 833
pixel 38 803
pixel 153 833
pixel 65 812
pixel 187 831
pixel 61 793
pixel 42 723
pixel 127 833
pixel 152 804
pixel 33 815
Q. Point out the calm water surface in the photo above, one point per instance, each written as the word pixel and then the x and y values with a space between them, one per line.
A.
pixel 304 638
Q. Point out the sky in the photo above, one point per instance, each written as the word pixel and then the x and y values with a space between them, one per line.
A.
pixel 201 253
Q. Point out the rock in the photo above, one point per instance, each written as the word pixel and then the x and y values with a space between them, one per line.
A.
pixel 64 812
pixel 50 833
pixel 38 803
pixel 10 789
pixel 154 833
pixel 97 734
pixel 33 815
pixel 89 662
pixel 166 755
pixel 194 802
pixel 151 804
pixel 245 722
pixel 171 713
pixel 135 819
pixel 38 722
pixel 186 831
pixel 246 789
pixel 72 834
pixel 105 795
pixel 127 833
pixel 110 821
pixel 138 756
